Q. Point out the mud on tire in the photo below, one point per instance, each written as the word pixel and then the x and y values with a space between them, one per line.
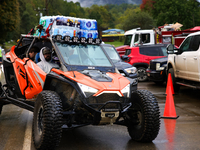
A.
pixel 47 121
pixel 143 117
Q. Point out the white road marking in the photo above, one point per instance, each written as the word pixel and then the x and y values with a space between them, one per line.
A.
pixel 28 133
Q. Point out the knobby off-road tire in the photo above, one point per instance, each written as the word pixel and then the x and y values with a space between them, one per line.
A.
pixel 176 86
pixel 143 117
pixel 142 75
pixel 47 121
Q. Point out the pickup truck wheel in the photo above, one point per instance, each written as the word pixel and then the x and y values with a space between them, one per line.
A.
pixel 176 86
pixel 47 120
pixel 142 75
pixel 143 118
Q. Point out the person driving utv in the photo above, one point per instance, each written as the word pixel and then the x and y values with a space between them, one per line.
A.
pixel 46 63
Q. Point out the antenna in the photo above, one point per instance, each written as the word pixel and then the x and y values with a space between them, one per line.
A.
pixel 73 72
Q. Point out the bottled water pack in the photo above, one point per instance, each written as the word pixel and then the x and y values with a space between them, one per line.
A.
pixel 70 26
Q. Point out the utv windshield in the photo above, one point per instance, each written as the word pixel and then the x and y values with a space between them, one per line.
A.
pixel 83 55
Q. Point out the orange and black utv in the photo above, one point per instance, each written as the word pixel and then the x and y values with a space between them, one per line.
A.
pixel 86 89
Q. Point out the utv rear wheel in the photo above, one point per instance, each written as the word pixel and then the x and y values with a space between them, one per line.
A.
pixel 142 75
pixel 47 121
pixel 143 117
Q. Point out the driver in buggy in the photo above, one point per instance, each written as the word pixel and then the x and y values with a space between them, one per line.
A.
pixel 46 63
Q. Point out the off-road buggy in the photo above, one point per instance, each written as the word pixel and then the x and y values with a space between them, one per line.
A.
pixel 86 90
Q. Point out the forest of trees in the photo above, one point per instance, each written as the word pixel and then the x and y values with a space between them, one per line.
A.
pixel 19 16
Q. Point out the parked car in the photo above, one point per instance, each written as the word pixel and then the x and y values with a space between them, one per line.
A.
pixel 124 68
pixel 140 57
pixel 156 71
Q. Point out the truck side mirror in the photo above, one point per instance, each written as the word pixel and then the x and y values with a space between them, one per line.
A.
pixel 125 57
pixel 170 49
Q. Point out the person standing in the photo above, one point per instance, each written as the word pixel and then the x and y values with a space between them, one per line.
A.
pixel 0 55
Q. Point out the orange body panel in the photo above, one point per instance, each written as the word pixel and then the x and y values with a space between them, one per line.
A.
pixel 29 76
pixel 20 73
pixel 12 54
pixel 36 79
pixel 117 84
pixel 19 69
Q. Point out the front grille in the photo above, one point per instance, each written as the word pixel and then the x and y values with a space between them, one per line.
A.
pixel 152 65
pixel 97 102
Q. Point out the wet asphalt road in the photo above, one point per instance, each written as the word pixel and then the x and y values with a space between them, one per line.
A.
pixel 180 134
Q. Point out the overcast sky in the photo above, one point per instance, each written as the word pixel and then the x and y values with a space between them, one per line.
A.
pixel 83 4
pixel 88 3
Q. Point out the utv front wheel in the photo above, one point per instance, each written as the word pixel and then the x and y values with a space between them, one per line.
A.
pixel 47 121
pixel 143 117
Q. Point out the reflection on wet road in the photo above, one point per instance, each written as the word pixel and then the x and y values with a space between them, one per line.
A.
pixel 182 133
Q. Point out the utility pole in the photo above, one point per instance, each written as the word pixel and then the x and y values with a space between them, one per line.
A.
pixel 41 10
pixel 46 6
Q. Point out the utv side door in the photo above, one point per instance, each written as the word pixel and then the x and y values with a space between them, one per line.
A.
pixel 35 79
pixel 19 78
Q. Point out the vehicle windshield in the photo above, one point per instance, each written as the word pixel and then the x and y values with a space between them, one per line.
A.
pixel 112 54
pixel 164 50
pixel 83 55
pixel 128 40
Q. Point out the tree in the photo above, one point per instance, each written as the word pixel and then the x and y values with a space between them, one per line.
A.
pixel 103 17
pixel 9 11
pixel 134 18
pixel 185 12
pixel 147 5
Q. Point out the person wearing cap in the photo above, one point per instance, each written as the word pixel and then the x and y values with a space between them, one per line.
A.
pixel 46 63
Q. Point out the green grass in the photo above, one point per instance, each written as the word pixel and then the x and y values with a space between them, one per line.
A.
pixel 115 43
pixel 8 45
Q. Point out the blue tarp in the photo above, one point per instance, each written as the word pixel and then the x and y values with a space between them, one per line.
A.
pixel 113 31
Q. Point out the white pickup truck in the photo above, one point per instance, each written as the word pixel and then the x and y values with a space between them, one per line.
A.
pixel 137 37
pixel 184 62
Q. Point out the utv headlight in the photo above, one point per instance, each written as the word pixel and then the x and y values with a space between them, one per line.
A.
pixel 88 91
pixel 131 70
pixel 126 91
pixel 158 67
